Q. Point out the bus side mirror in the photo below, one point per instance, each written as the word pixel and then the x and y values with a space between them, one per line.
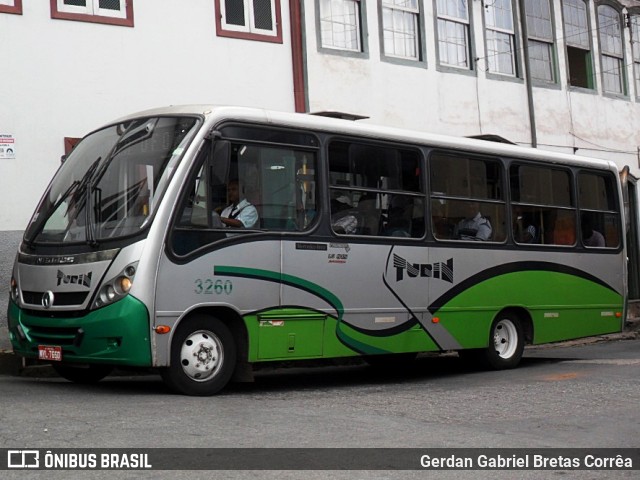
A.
pixel 219 161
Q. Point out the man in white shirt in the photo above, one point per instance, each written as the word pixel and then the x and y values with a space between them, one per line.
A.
pixel 240 213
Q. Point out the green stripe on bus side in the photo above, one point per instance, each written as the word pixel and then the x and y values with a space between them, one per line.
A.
pixel 358 345
pixel 561 306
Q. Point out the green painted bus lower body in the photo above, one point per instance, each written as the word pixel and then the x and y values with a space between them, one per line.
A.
pixel 117 334
pixel 557 307
pixel 285 334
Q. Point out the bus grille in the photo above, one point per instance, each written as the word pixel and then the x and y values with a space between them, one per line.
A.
pixel 55 335
pixel 60 299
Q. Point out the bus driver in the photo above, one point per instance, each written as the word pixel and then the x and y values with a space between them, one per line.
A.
pixel 240 213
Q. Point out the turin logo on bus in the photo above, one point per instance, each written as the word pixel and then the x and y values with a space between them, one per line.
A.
pixel 82 279
pixel 440 270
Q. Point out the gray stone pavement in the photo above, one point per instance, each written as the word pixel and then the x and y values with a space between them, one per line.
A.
pixel 13 365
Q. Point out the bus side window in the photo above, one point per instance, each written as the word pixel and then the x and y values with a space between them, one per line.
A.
pixel 542 205
pixel 599 210
pixel 467 198
pixel 375 190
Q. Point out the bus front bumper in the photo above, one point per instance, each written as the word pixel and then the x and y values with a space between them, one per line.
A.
pixel 117 334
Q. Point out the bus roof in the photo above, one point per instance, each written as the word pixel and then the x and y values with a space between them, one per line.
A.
pixel 215 114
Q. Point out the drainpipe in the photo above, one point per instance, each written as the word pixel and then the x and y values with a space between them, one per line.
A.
pixel 527 74
pixel 297 56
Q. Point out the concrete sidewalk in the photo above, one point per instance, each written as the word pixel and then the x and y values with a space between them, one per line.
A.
pixel 10 364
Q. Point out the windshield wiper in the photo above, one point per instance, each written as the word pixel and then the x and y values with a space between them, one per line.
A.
pixel 75 198
pixel 131 136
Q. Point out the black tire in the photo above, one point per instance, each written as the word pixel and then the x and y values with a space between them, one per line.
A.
pixel 84 374
pixel 203 357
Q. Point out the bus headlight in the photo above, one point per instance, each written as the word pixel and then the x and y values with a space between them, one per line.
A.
pixel 124 284
pixel 116 288
pixel 15 290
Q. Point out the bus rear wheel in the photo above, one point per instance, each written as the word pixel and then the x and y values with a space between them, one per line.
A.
pixel 203 357
pixel 506 345
pixel 82 373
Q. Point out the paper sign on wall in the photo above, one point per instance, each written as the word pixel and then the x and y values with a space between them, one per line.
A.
pixel 7 146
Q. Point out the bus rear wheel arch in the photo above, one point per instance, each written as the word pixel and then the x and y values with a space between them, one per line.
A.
pixel 203 357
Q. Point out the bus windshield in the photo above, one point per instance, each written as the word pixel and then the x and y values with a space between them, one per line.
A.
pixel 111 182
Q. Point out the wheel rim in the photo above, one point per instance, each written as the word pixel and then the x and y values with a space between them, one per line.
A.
pixel 201 355
pixel 505 338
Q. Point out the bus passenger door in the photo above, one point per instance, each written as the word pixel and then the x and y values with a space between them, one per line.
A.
pixel 208 266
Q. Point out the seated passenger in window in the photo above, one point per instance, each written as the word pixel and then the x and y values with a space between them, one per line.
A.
pixel 343 216
pixel 591 237
pixel 474 226
pixel 524 230
pixel 239 213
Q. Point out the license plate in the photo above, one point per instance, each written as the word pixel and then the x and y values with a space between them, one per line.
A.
pixel 50 353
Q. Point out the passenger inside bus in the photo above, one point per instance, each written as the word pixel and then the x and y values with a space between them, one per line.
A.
pixel 591 237
pixel 363 219
pixel 524 228
pixel 475 226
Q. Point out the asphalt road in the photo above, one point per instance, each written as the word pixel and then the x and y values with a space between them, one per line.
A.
pixel 580 396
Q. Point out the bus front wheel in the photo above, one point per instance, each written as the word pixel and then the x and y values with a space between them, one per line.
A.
pixel 203 356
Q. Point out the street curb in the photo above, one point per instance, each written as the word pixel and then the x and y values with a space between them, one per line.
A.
pixel 11 364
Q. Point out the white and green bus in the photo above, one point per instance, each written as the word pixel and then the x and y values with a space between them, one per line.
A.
pixel 342 239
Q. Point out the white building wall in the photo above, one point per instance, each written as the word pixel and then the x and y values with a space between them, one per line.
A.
pixel 61 78
pixel 64 78
pixel 429 99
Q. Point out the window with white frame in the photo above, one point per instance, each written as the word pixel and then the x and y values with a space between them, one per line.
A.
pixel 635 47
pixel 340 24
pixel 249 16
pixel 610 27
pixel 541 46
pixel 576 34
pixel 104 8
pixel 114 12
pixel 400 28
pixel 11 6
pixel 453 33
pixel 500 37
